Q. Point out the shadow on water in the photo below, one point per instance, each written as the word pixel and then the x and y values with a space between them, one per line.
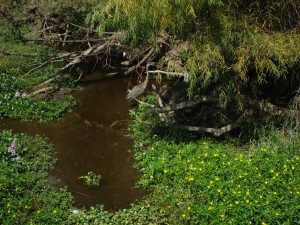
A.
pixel 92 138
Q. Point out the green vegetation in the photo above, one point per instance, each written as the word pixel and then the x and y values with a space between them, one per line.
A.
pixel 236 48
pixel 17 75
pixel 25 195
pixel 233 44
pixel 192 182
pixel 91 179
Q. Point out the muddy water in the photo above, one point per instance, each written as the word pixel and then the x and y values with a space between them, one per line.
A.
pixel 92 138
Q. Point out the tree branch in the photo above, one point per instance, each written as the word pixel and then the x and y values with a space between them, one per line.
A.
pixel 97 49
pixel 188 104
pixel 219 131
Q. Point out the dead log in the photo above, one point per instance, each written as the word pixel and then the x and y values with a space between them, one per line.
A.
pixel 219 131
pixel 42 90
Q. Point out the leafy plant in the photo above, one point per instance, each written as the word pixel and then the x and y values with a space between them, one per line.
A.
pixel 25 195
pixel 91 179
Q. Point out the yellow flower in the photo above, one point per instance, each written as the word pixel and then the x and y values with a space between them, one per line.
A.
pixel 210 208
pixel 183 215
pixel 277 174
pixel 247 201
pixel 191 178
pixel 189 208
pixel 275 193
pixel 217 178
pixel 272 171
pixel 208 186
pixel 151 177
pixel 263 223
pixel 230 205
pixel 247 193
pixel 236 202
pixel 260 196
pixel 219 190
pixel 277 214
pixel 165 171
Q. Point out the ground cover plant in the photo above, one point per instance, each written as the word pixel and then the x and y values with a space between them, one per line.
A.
pixel 25 195
pixel 244 52
pixel 209 182
pixel 16 78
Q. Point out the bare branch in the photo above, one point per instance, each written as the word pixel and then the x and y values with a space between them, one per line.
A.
pixel 61 55
pixel 188 104
pixel 97 49
pixel 42 90
pixel 219 131
pixel 167 73
pixel 143 103
pixel 146 57
pixel 161 115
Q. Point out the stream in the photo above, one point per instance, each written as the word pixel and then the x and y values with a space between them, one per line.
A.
pixel 92 138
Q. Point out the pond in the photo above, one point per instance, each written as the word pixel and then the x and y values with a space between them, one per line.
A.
pixel 92 138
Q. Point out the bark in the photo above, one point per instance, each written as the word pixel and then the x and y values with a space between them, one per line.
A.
pixel 219 131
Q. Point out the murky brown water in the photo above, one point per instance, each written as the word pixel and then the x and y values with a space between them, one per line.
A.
pixel 92 138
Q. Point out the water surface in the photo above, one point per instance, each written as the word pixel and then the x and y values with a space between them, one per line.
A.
pixel 92 138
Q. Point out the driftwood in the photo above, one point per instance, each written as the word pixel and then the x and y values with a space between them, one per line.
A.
pixel 219 131
pixel 42 90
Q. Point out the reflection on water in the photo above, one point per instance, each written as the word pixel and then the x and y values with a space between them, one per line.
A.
pixel 91 138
